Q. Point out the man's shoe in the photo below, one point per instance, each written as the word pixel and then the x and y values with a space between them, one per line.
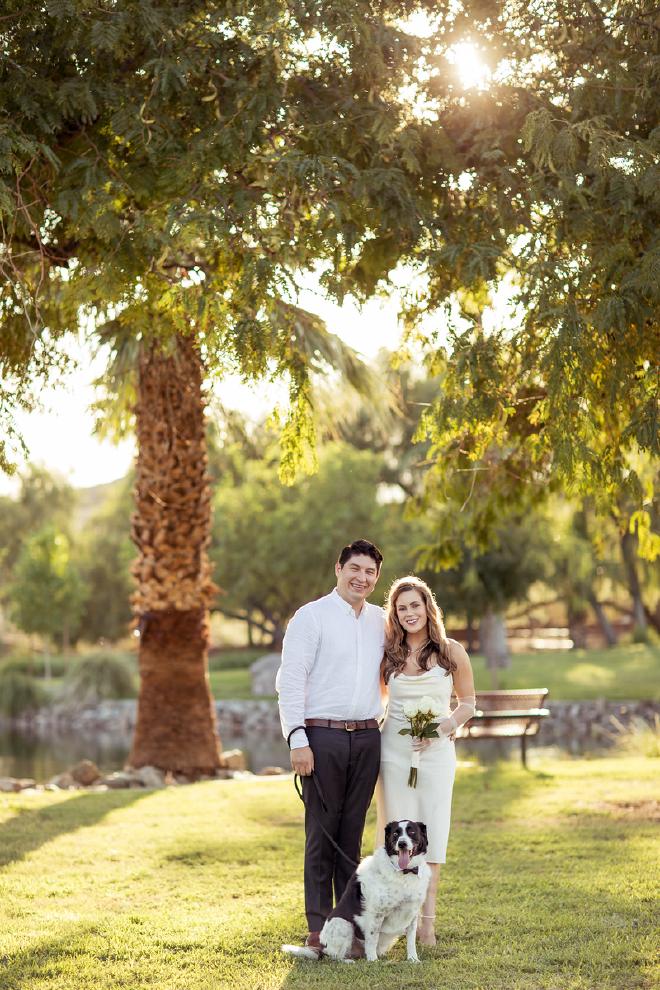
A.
pixel 313 941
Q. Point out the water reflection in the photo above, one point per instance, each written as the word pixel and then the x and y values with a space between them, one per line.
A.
pixel 28 755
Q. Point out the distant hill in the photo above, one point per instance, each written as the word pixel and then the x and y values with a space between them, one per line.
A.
pixel 90 500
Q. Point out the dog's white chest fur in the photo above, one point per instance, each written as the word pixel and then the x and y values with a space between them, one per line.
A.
pixel 389 894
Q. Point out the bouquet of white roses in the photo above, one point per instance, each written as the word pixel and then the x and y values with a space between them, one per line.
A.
pixel 422 715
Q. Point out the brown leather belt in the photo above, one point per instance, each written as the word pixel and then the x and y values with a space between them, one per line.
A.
pixel 350 726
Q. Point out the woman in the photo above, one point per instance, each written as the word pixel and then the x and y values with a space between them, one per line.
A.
pixel 419 660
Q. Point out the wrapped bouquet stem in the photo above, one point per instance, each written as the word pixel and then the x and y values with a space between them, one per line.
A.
pixel 423 718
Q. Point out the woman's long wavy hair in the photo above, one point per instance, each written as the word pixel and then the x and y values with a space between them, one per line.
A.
pixel 396 645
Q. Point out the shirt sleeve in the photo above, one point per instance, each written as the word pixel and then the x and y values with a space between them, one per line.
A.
pixel 299 648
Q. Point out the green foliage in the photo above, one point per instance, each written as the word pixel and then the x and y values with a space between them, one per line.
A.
pixel 19 693
pixel 467 582
pixel 274 547
pixel 557 389
pixel 99 677
pixel 104 554
pixel 46 594
pixel 42 500
pixel 179 168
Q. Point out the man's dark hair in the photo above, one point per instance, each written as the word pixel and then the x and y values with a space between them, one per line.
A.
pixel 358 547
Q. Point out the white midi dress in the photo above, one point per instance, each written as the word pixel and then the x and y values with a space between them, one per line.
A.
pixel 430 801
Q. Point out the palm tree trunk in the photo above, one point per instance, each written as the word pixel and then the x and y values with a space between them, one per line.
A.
pixel 176 725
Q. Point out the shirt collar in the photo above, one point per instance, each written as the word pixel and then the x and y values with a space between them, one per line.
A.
pixel 348 609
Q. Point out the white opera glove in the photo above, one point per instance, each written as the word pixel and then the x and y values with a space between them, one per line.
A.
pixel 446 727
pixel 461 714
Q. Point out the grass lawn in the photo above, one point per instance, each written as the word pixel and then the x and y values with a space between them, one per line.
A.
pixel 231 685
pixel 625 673
pixel 549 884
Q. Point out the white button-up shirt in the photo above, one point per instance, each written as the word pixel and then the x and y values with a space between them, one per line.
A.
pixel 330 664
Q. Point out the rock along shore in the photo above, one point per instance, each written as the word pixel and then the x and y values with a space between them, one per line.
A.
pixel 577 721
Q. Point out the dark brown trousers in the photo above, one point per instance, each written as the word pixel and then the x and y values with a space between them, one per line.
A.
pixel 346 765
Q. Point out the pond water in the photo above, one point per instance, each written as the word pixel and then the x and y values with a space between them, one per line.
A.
pixel 28 755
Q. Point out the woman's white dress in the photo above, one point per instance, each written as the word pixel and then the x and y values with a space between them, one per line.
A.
pixel 430 801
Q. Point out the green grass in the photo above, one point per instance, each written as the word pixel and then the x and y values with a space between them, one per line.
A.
pixel 231 685
pixel 238 659
pixel 229 673
pixel 549 886
pixel 622 673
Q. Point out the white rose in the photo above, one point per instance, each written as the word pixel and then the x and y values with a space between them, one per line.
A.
pixel 429 706
pixel 410 709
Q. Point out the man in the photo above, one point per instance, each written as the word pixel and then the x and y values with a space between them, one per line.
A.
pixel 329 693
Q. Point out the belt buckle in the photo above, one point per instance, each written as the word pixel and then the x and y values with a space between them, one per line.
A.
pixel 350 728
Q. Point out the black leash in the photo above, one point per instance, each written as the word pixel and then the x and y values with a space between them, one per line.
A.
pixel 297 783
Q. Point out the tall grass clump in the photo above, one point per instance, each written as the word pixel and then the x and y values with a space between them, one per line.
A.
pixel 100 677
pixel 35 664
pixel 638 738
pixel 19 694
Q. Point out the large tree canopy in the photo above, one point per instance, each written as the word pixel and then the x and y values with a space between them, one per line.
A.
pixel 170 172
pixel 171 168
pixel 144 142
pixel 558 201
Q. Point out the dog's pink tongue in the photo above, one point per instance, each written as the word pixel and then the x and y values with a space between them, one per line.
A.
pixel 404 859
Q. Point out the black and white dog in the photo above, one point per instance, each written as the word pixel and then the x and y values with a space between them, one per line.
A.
pixel 381 901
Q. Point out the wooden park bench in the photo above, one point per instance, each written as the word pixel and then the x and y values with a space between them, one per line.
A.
pixel 507 714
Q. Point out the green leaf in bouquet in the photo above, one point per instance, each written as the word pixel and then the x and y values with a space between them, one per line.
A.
pixel 405 732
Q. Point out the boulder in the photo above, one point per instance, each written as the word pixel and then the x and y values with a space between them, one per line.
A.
pixel 120 779
pixel 271 771
pixel 149 776
pixel 63 781
pixel 262 673
pixel 11 785
pixel 233 759
pixel 85 773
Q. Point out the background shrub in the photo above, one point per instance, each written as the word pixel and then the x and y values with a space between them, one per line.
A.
pixel 99 677
pixel 19 693
pixel 34 664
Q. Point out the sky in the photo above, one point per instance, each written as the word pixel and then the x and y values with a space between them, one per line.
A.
pixel 60 435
